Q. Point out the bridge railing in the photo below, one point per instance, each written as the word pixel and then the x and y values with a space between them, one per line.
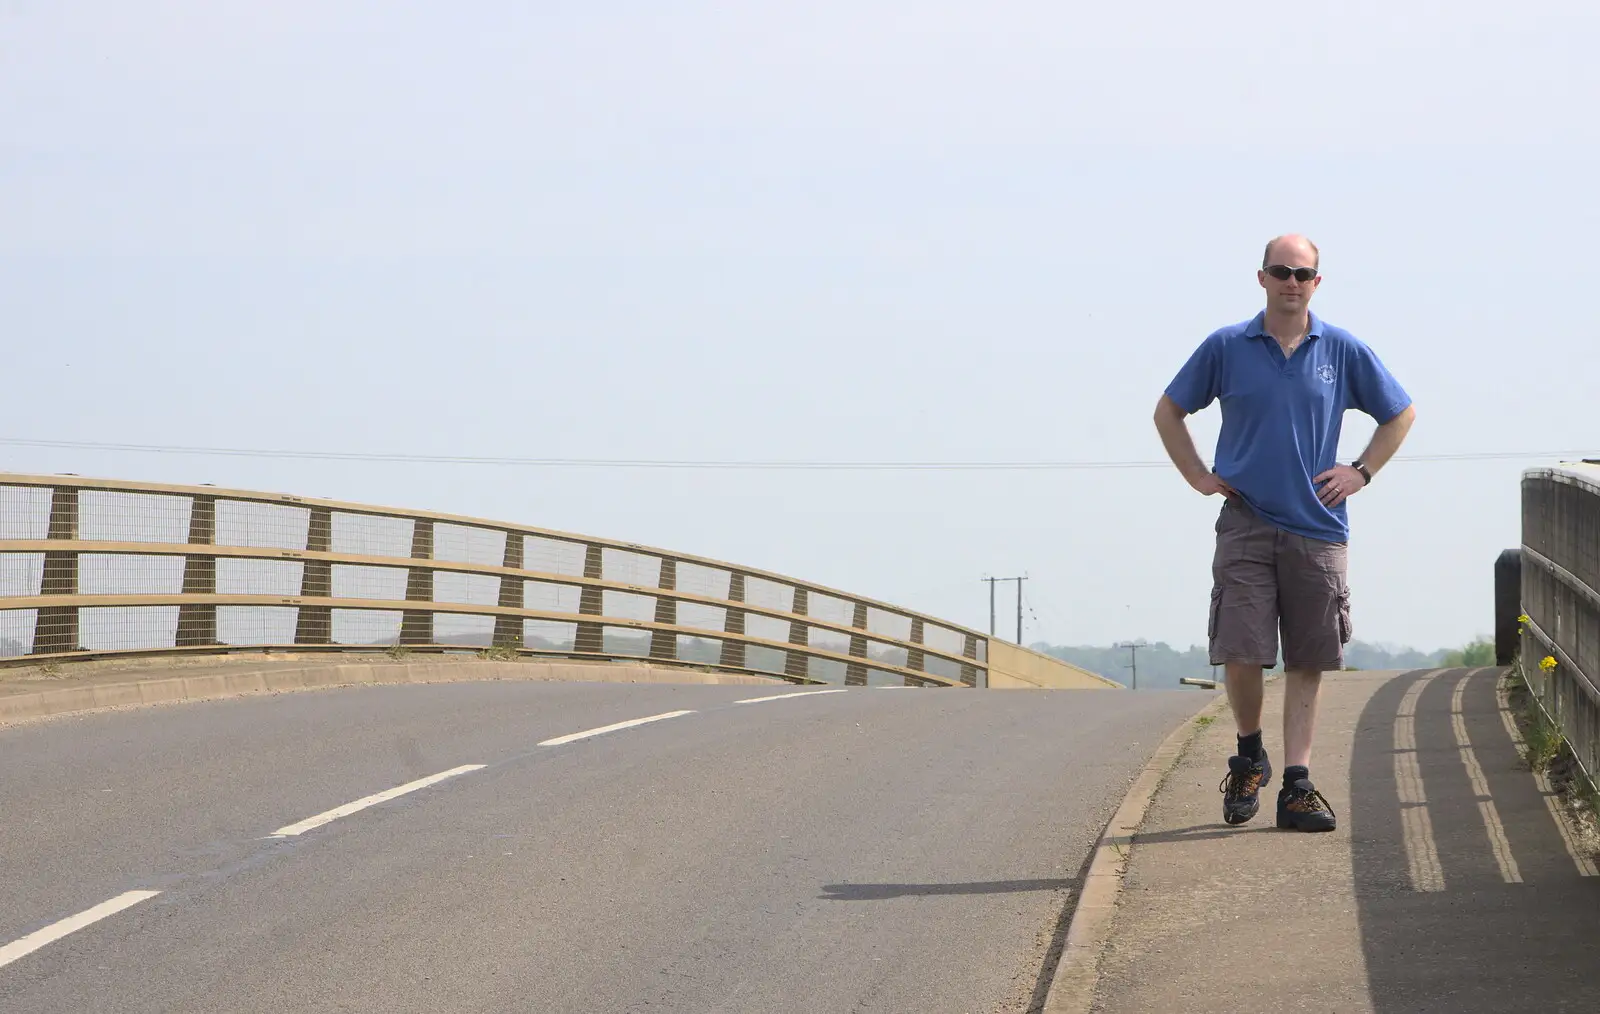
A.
pixel 91 566
pixel 1560 569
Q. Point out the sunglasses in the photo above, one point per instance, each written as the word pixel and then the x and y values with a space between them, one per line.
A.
pixel 1283 272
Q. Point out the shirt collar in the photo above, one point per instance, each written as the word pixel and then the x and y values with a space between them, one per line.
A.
pixel 1257 326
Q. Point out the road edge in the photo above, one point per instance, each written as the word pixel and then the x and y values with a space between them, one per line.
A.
pixel 1077 973
pixel 16 709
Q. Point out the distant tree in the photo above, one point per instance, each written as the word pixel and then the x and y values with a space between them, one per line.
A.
pixel 1479 653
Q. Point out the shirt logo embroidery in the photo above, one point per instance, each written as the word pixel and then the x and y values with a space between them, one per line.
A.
pixel 1327 373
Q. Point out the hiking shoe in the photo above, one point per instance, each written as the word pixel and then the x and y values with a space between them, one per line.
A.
pixel 1302 808
pixel 1241 787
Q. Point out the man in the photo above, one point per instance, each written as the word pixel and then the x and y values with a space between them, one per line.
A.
pixel 1284 379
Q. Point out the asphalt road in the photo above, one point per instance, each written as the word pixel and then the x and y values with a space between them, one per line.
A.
pixel 866 850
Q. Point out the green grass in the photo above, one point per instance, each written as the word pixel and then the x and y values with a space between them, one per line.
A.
pixel 1204 721
pixel 1545 743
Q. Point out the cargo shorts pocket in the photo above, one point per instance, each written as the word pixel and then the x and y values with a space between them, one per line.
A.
pixel 1216 613
pixel 1346 628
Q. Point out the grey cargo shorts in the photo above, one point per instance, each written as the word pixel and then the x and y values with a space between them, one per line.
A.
pixel 1266 580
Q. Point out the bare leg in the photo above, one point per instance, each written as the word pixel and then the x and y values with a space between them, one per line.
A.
pixel 1299 715
pixel 1244 696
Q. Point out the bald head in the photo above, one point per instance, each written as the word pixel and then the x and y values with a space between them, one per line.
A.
pixel 1292 249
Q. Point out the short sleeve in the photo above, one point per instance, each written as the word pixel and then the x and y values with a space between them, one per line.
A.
pixel 1199 381
pixel 1372 388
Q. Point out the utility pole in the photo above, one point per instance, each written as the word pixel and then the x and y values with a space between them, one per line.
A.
pixel 1133 651
pixel 992 581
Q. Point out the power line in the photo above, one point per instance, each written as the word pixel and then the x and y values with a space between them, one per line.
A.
pixel 747 465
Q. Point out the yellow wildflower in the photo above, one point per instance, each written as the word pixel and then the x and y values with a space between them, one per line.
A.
pixel 1547 663
pixel 1524 618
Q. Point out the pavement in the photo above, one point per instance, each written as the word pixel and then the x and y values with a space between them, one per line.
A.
pixel 1451 884
pixel 450 847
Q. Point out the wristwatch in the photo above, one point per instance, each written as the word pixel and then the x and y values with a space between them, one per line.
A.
pixel 1361 466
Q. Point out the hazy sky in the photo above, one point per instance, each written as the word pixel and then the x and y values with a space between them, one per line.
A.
pixel 820 231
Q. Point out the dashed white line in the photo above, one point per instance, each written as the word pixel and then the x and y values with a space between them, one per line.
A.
pixel 785 697
pixel 372 800
pixel 574 737
pixel 71 924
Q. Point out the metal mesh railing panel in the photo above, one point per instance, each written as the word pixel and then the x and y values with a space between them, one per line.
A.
pixel 368 535
pixel 24 512
pixel 361 582
pixel 468 544
pixel 259 577
pixel 375 627
pixel 550 556
pixel 21 574
pixel 249 625
pixel 133 517
pixel 463 628
pixel 710 582
pixel 106 574
pixel 16 631
pixel 468 589
pixel 260 525
pixel 549 635
pixel 120 628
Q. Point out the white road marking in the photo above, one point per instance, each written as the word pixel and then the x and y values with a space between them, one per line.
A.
pixel 1422 854
pixel 71 924
pixel 1585 865
pixel 373 800
pixel 1499 844
pixel 785 697
pixel 559 740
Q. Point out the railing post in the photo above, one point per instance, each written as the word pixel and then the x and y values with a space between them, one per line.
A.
pixel 314 624
pixel 855 673
pixel 591 637
pixel 795 663
pixel 513 589
pixel 733 651
pixel 664 643
pixel 416 625
pixel 969 649
pixel 197 623
pixel 55 628
pixel 915 659
pixel 1507 605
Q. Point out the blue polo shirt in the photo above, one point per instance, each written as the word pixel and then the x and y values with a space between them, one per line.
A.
pixel 1281 417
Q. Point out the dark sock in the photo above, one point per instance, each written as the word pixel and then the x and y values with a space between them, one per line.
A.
pixel 1294 774
pixel 1250 746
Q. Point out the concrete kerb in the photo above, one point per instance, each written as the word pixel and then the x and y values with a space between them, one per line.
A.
pixel 16 708
pixel 1078 972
